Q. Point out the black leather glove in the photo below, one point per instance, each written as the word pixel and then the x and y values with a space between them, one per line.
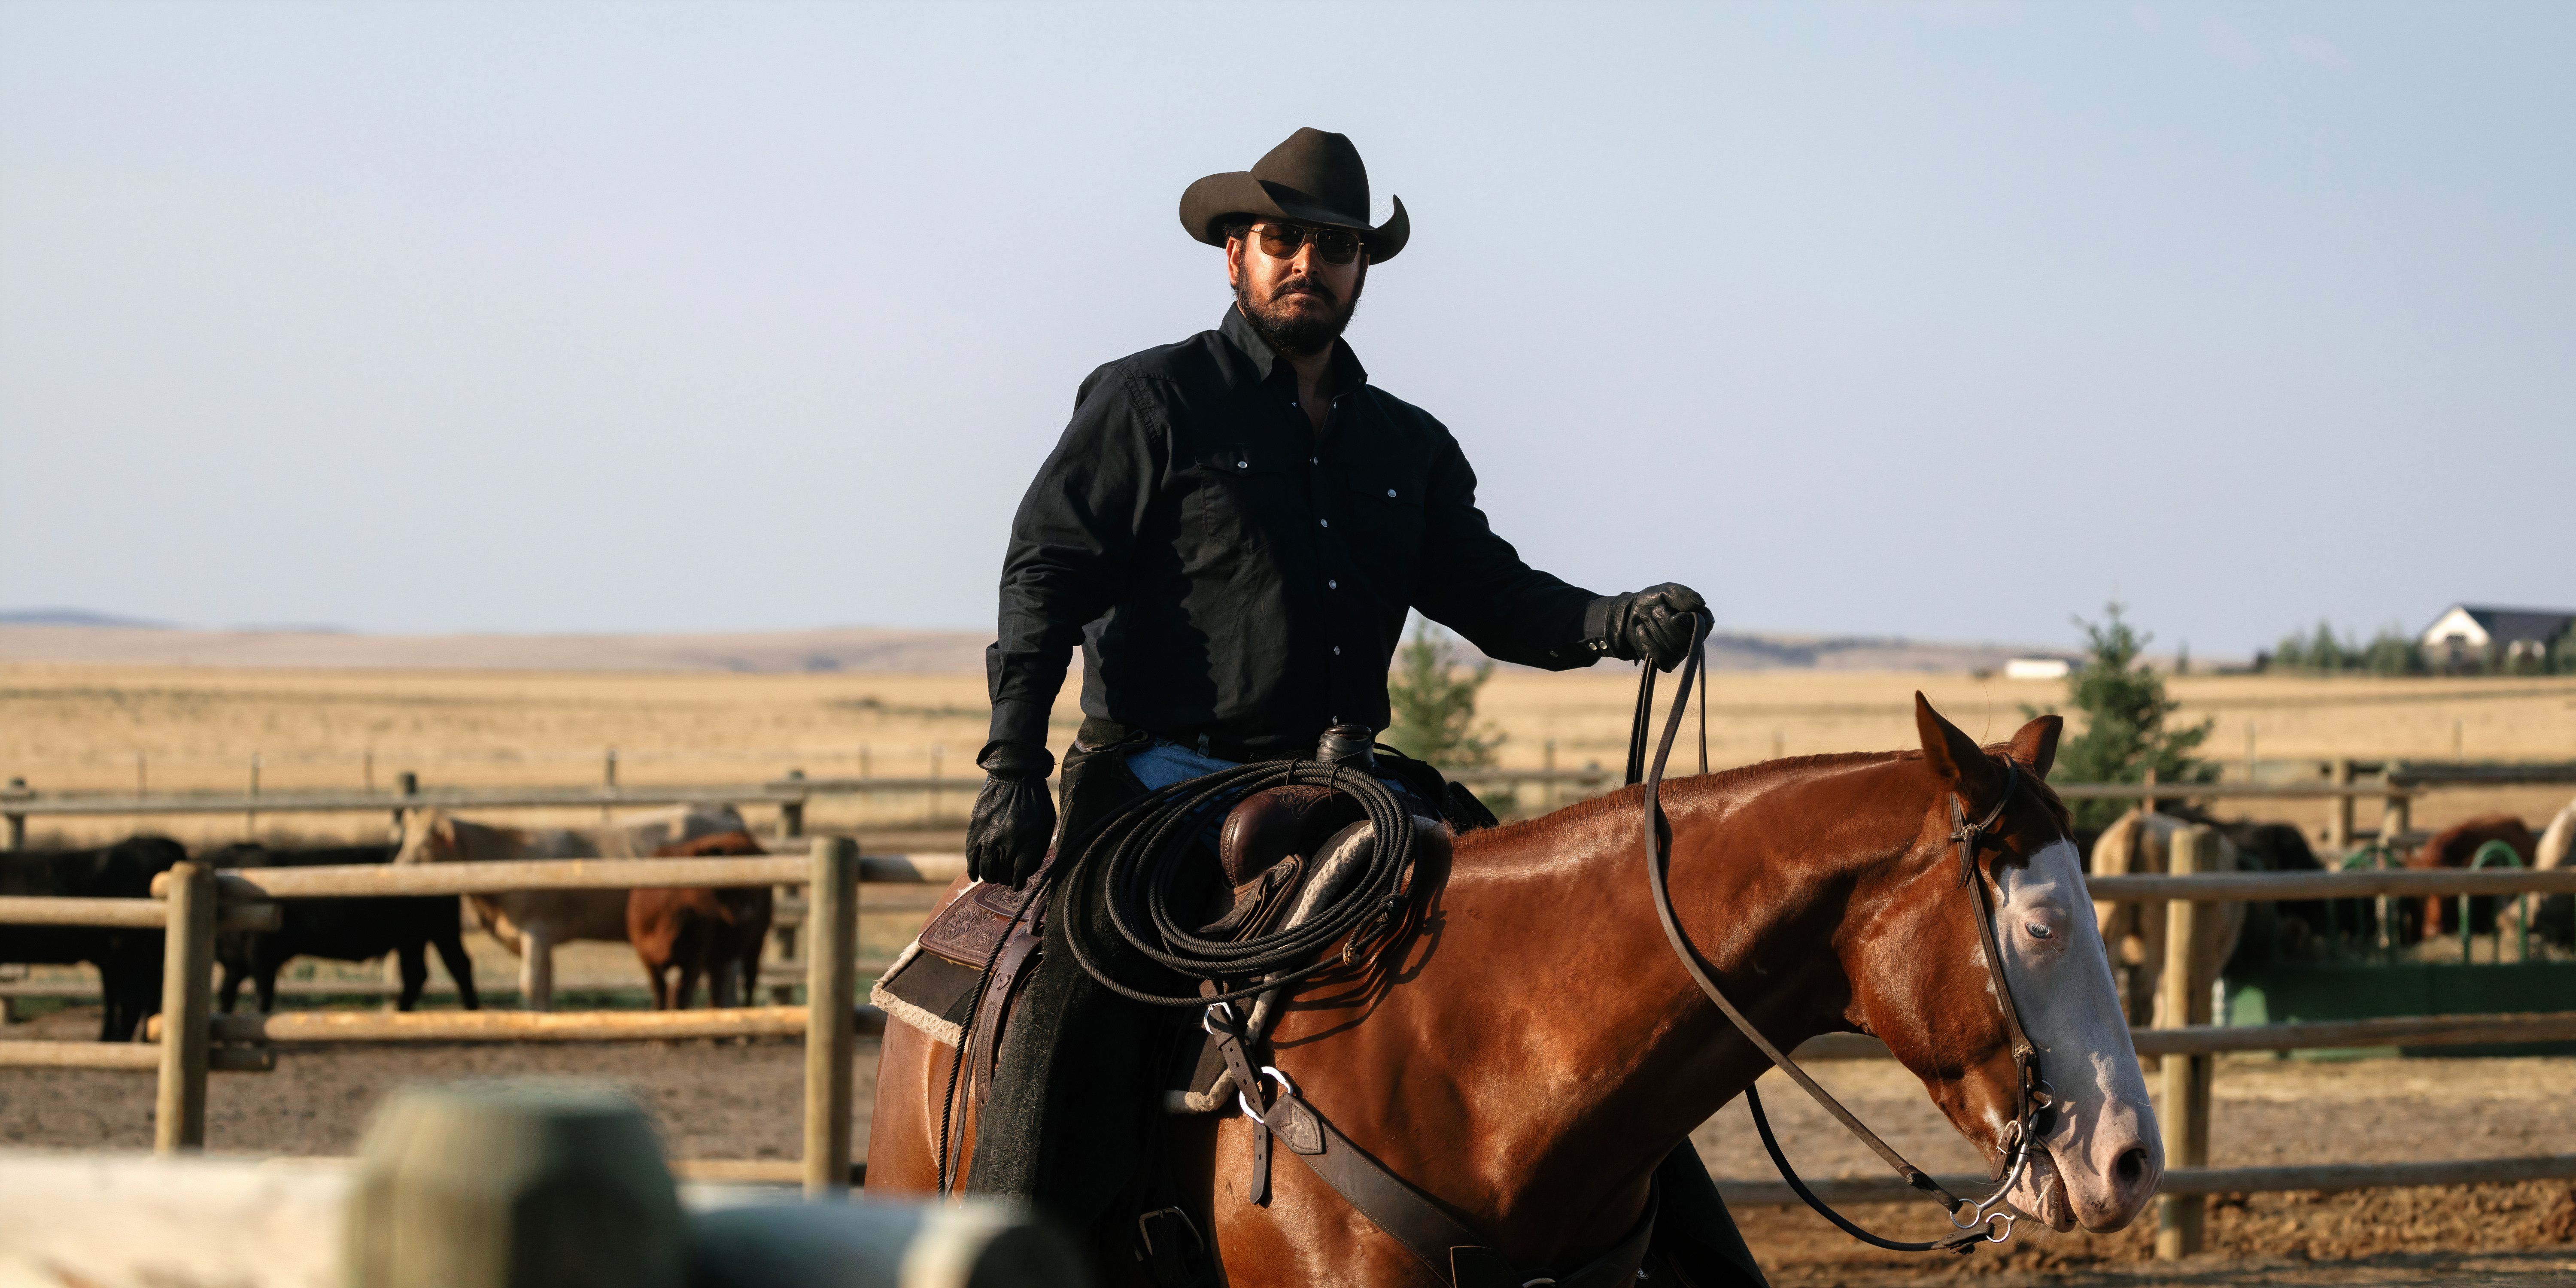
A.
pixel 1652 625
pixel 1014 816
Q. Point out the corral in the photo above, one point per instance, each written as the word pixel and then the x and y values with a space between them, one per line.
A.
pixel 2257 1100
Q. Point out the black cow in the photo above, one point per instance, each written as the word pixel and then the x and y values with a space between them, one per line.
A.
pixel 351 929
pixel 128 961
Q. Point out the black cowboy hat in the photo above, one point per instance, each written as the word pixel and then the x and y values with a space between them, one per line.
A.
pixel 1313 178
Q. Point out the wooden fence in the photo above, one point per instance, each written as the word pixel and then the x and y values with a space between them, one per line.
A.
pixel 192 900
pixel 2399 782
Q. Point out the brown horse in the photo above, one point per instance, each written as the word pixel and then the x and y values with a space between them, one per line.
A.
pixel 1535 1048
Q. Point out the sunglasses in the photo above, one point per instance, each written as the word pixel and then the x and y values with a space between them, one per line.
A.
pixel 1332 245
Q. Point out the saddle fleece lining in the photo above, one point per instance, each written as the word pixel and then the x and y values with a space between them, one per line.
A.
pixel 940 1028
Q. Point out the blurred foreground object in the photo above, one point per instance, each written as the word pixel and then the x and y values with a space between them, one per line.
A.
pixel 487 1185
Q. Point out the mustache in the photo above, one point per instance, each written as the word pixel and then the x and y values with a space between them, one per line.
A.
pixel 1309 285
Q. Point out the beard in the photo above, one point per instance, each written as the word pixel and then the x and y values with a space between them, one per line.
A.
pixel 1299 332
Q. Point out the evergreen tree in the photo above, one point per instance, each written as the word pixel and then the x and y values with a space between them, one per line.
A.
pixel 1434 707
pixel 2124 709
pixel 2325 652
pixel 2391 652
pixel 2290 654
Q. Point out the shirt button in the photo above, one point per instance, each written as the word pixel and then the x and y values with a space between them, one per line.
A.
pixel 1245 465
pixel 1314 460
pixel 1332 585
pixel 1323 523
pixel 1337 650
pixel 1390 494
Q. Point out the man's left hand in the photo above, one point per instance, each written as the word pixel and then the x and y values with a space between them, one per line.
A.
pixel 1653 625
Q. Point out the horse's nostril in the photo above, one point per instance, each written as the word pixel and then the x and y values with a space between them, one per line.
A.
pixel 2131 1166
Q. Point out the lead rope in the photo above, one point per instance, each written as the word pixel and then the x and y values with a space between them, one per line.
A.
pixel 1658 856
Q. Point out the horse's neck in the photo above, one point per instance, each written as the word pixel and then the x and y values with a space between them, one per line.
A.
pixel 1621 1054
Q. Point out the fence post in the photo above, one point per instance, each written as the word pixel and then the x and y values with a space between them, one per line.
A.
pixel 406 784
pixel 2184 1114
pixel 2397 809
pixel 831 1000
pixel 2147 803
pixel 791 814
pixel 499 1185
pixel 187 965
pixel 2339 823
pixel 17 822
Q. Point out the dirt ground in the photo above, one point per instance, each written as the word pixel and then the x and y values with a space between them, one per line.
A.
pixel 2264 1112
pixel 740 1099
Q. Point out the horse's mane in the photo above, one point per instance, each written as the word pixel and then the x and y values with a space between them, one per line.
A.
pixel 1674 789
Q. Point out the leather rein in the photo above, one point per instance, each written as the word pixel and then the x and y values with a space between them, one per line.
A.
pixel 1986 1222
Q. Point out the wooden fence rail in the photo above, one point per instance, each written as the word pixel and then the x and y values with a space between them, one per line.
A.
pixel 2221 1039
pixel 2400 781
pixel 565 874
pixel 2194 1182
pixel 2251 887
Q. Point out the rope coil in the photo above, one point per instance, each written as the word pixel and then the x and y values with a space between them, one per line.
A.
pixel 1131 863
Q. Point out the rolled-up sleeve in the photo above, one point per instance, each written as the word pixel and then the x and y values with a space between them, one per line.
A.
pixel 1475 583
pixel 1071 547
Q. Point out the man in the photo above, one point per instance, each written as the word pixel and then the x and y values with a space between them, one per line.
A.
pixel 1233 528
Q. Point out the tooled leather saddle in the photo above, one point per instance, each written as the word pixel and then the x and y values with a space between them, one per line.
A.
pixel 1265 847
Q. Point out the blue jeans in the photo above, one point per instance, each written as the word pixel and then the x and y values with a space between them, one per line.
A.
pixel 1160 764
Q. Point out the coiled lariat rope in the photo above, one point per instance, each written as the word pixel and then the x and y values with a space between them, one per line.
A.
pixel 1136 856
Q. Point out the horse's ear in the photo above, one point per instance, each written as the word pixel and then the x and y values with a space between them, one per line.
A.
pixel 1953 756
pixel 2036 745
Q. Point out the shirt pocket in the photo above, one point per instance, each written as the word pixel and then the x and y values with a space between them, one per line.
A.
pixel 1387 526
pixel 1236 500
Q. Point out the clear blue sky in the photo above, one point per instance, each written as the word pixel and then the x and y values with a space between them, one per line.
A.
pixel 1949 321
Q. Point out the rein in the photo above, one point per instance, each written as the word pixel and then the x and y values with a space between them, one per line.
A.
pixel 2032 1094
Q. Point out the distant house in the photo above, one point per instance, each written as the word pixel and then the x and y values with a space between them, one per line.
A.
pixel 2038 668
pixel 2469 637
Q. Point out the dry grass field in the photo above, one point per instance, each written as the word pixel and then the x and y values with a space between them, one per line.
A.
pixel 108 728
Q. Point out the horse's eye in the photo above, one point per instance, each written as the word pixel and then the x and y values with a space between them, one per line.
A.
pixel 2038 930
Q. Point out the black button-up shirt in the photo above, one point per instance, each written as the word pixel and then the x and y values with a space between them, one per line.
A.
pixel 1231 573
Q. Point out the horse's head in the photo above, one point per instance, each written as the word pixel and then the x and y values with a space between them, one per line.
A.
pixel 1922 984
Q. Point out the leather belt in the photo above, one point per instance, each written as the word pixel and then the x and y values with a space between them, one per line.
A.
pixel 1101 731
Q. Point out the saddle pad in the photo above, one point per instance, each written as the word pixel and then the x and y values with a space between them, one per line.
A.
pixel 931 985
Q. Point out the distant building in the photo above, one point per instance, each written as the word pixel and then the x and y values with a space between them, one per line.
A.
pixel 2468 637
pixel 2038 668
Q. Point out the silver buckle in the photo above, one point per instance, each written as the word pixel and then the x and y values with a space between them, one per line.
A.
pixel 1246 1102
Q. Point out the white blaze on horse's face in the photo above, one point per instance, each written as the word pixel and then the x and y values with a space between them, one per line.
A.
pixel 2103 1156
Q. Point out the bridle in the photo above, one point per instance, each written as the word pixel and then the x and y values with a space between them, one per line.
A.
pixel 2034 1098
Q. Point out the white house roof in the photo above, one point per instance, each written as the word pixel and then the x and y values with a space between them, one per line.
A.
pixel 2487 625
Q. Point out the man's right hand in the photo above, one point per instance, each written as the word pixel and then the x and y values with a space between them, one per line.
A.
pixel 1014 816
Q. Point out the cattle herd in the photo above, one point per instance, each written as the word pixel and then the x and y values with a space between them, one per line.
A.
pixel 696 933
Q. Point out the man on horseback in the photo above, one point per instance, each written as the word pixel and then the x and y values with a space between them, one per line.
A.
pixel 1233 528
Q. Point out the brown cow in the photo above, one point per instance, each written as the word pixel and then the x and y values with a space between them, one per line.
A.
pixel 2455 846
pixel 531 923
pixel 702 930
pixel 2134 933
